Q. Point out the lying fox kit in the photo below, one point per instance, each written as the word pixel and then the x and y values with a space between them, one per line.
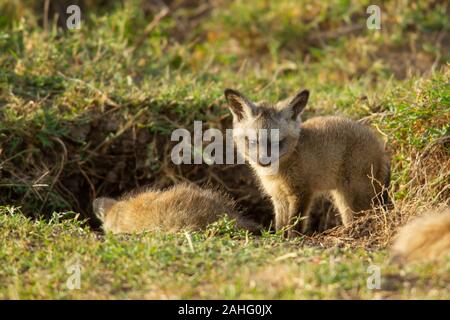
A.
pixel 426 238
pixel 182 207
pixel 322 155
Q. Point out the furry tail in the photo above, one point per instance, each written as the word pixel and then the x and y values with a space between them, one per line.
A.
pixel 427 238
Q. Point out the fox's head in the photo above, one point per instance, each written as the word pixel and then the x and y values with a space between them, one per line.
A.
pixel 281 121
pixel 101 207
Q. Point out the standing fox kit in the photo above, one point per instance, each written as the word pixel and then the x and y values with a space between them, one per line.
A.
pixel 182 207
pixel 322 155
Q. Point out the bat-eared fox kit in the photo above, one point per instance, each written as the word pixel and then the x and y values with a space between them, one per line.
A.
pixel 321 155
pixel 182 207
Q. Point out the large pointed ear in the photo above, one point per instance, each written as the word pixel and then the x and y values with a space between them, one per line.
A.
pixel 101 207
pixel 239 105
pixel 298 103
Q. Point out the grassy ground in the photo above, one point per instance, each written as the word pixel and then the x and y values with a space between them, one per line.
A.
pixel 37 257
pixel 89 112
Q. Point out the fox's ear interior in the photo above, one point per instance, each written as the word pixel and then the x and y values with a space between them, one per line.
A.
pixel 298 103
pixel 239 105
pixel 101 206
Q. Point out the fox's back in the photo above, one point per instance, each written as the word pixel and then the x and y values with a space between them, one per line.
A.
pixel 333 148
pixel 335 135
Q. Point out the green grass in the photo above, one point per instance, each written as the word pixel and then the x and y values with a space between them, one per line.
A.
pixel 36 257
pixel 89 112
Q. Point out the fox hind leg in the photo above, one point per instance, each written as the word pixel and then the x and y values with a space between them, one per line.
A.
pixel 349 201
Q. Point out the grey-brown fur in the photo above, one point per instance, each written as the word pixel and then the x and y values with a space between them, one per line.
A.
pixel 322 155
pixel 426 238
pixel 182 207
